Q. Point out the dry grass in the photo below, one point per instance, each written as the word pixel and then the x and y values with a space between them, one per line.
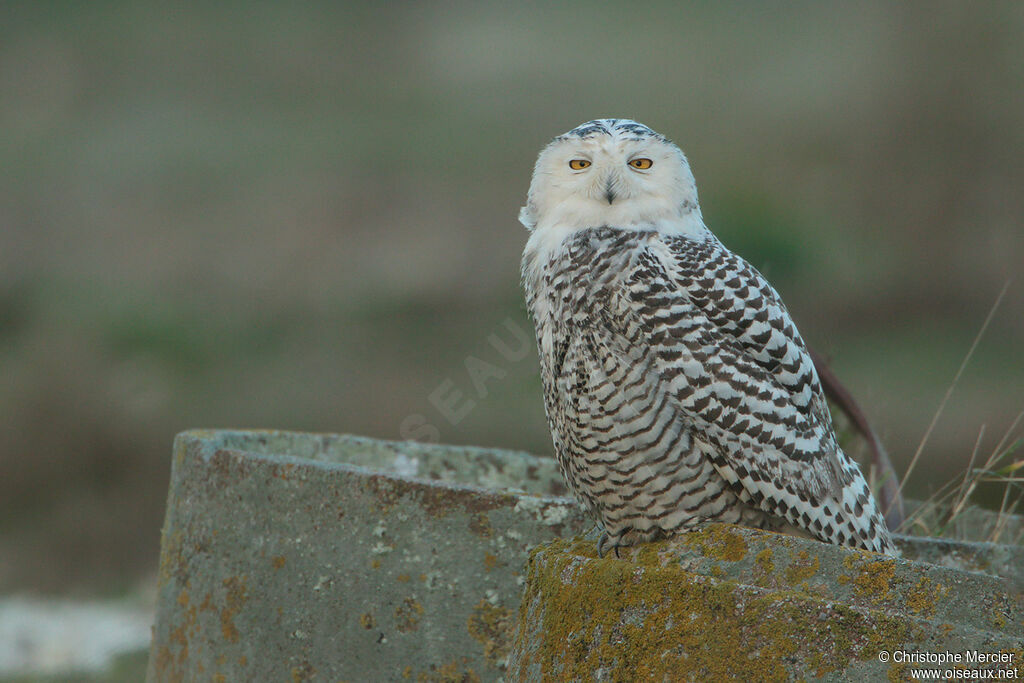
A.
pixel 938 514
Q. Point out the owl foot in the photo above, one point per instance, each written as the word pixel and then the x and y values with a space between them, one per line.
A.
pixel 602 545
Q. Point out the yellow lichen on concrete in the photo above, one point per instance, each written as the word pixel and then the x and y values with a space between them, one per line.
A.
pixel 898 673
pixel 765 561
pixel 408 615
pixel 480 524
pixel 166 662
pixel 1018 660
pixel 872 578
pixel 493 627
pixel 448 673
pixel 664 623
pixel 717 541
pixel 284 471
pixel 235 600
pixel 172 560
pixel 922 597
pixel 304 672
pixel 802 567
pixel 649 555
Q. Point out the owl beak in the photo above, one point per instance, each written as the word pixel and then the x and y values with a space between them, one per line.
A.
pixel 609 190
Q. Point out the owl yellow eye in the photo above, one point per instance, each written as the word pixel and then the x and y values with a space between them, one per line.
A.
pixel 642 164
pixel 578 164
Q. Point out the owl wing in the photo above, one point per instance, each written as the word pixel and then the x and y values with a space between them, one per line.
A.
pixel 716 337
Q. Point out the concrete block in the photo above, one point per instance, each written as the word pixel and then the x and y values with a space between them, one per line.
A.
pixel 731 603
pixel 292 556
pixel 285 557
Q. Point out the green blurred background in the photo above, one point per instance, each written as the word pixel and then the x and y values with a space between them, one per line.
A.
pixel 304 217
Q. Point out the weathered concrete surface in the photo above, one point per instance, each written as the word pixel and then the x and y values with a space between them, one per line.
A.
pixel 972 523
pixel 730 603
pixel 299 566
pixel 302 556
pixel 988 558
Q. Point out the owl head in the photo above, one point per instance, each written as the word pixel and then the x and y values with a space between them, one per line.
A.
pixel 610 172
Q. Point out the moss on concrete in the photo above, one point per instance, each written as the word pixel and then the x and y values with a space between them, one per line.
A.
pixel 802 567
pixel 921 599
pixel 718 541
pixel 872 578
pixel 666 623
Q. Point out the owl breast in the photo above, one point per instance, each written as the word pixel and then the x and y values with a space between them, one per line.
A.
pixel 629 456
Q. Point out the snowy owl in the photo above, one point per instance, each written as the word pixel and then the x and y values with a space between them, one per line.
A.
pixel 676 385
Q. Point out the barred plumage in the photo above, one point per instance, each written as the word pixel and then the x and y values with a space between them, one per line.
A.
pixel 676 385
